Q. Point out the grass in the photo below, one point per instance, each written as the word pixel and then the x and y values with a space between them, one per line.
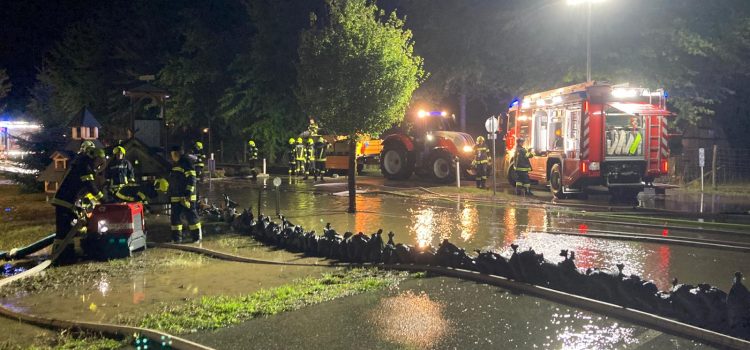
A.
pixel 211 312
pixel 25 217
pixel 63 341
pixel 738 188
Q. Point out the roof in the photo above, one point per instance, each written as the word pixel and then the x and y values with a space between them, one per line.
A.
pixel 50 174
pixel 84 118
pixel 146 90
pixel 75 145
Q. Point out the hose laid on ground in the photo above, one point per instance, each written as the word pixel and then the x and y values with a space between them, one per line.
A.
pixel 630 315
pixel 18 253
pixel 103 328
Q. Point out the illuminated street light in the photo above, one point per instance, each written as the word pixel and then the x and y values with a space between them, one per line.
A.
pixel 588 31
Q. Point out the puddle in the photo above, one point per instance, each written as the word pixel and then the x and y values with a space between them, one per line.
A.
pixel 440 313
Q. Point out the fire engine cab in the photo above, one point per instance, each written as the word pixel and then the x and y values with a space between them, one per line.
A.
pixel 591 134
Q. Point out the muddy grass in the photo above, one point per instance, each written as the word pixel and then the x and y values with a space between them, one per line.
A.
pixel 211 312
pixel 25 217
pixel 65 340
pixel 85 273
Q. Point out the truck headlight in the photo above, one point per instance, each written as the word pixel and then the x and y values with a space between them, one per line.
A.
pixel 102 227
pixel 430 137
pixel 594 166
pixel 468 149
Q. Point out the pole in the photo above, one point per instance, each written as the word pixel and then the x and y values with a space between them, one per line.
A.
pixel 494 171
pixel 278 199
pixel 260 198
pixel 701 180
pixel 713 168
pixel 588 43
pixel 264 166
pixel 458 174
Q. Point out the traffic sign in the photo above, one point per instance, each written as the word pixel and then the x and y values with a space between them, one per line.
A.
pixel 491 124
pixel 701 157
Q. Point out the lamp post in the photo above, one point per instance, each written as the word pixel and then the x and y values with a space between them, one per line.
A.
pixel 491 125
pixel 588 31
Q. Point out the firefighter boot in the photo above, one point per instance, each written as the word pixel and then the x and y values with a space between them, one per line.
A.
pixel 176 234
pixel 67 253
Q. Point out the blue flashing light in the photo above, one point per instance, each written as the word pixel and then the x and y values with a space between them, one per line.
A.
pixel 514 102
pixel 435 113
pixel 666 94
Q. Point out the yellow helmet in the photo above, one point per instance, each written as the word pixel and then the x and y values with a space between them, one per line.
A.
pixel 310 141
pixel 87 146
pixel 198 145
pixel 251 143
pixel 161 185
pixel 291 140
pixel 119 150
pixel 299 140
pixel 480 139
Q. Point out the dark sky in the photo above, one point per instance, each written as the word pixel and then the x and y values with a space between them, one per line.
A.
pixel 28 28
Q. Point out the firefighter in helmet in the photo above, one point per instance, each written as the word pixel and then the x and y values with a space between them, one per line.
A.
pixel 119 171
pixel 522 166
pixel 292 157
pixel 310 158
pixel 199 159
pixel 182 183
pixel 142 193
pixel 300 156
pixel 252 158
pixel 321 148
pixel 481 162
pixel 79 184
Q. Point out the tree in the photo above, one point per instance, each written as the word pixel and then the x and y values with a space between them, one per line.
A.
pixel 5 86
pixel 357 72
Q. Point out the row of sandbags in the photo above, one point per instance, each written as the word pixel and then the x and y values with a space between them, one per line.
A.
pixel 703 305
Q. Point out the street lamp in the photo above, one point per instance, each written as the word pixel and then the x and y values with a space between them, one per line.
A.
pixel 588 31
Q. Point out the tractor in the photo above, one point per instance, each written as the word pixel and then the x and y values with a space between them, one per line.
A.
pixel 430 149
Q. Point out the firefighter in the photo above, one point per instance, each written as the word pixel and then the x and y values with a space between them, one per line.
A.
pixel 481 161
pixel 292 157
pixel 119 172
pixel 79 184
pixel 321 149
pixel 310 158
pixel 252 158
pixel 142 193
pixel 199 161
pixel 522 166
pixel 182 180
pixel 300 156
pixel 312 128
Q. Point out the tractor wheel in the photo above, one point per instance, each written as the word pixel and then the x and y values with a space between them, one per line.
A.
pixel 395 163
pixel 555 181
pixel 441 166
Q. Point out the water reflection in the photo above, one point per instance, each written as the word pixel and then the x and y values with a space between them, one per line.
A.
pixel 423 227
pixel 593 334
pixel 411 320
pixel 469 222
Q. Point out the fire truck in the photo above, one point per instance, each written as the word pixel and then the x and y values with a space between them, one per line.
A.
pixel 591 134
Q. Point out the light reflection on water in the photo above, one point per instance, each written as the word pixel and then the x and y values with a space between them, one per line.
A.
pixel 411 320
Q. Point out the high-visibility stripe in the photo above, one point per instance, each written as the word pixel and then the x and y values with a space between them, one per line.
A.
pixel 178 169
pixel 194 227
pixel 175 199
pixel 200 164
pixel 61 203
pixel 523 169
pixel 190 172
pixel 88 177
pixel 99 195
pixel 636 143
pixel 190 188
pixel 142 195
pixel 124 197
pixel 176 227
pixel 193 197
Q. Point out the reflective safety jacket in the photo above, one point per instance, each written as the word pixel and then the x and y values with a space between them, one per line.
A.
pixel 522 162
pixel 310 152
pixel 79 182
pixel 300 152
pixel 199 162
pixel 321 149
pixel 182 180
pixel 252 153
pixel 292 154
pixel 481 154
pixel 136 193
pixel 119 173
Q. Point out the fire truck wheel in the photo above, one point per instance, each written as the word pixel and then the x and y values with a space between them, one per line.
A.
pixel 395 163
pixel 555 181
pixel 441 166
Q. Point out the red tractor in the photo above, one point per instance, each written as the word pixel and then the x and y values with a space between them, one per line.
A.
pixel 429 149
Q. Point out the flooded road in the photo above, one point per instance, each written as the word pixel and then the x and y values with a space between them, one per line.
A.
pixel 472 225
pixel 440 313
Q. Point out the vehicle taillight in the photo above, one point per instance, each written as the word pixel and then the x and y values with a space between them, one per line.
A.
pixel 584 167
pixel 664 166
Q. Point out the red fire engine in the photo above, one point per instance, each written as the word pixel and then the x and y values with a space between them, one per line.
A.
pixel 591 134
